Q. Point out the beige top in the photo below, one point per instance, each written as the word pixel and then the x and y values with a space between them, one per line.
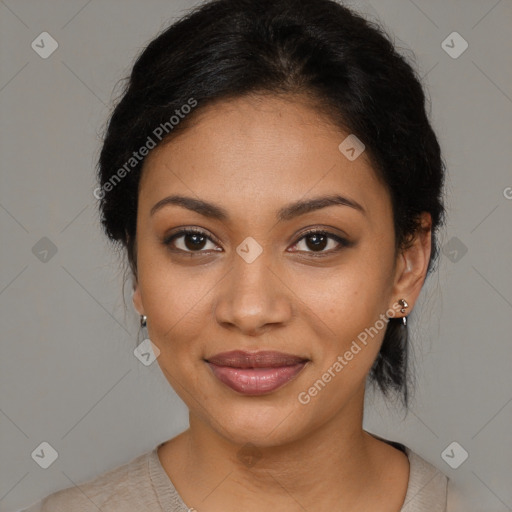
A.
pixel 143 484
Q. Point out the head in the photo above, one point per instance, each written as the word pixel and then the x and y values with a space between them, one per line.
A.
pixel 237 123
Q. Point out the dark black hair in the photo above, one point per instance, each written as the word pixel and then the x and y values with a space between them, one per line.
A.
pixel 346 66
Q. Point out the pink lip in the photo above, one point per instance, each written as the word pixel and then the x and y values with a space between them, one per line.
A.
pixel 255 373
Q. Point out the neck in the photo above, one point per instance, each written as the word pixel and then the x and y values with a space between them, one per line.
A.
pixel 334 465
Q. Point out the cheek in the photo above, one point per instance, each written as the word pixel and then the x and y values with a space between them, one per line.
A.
pixel 346 309
pixel 343 319
pixel 348 332
pixel 175 301
pixel 352 294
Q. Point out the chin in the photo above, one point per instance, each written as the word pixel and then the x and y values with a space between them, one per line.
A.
pixel 260 424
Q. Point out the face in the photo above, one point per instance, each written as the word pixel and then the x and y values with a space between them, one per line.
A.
pixel 254 277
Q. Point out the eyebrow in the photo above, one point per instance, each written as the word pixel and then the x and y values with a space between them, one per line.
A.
pixel 284 214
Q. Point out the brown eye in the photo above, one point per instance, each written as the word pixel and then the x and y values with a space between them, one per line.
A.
pixel 318 241
pixel 190 241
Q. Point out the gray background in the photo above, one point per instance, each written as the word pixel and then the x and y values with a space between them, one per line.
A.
pixel 68 375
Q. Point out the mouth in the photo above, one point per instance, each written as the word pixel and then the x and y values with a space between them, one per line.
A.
pixel 255 373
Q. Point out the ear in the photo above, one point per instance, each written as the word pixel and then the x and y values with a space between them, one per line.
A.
pixel 137 298
pixel 412 264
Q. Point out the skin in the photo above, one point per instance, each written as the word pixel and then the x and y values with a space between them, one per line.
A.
pixel 252 156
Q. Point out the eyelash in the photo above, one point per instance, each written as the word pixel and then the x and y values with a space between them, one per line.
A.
pixel 191 231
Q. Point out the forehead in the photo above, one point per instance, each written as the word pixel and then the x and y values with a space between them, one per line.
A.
pixel 260 149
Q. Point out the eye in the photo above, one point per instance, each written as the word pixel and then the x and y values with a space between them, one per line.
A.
pixel 317 240
pixel 314 241
pixel 190 240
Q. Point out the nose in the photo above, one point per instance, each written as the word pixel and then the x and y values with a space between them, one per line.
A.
pixel 252 298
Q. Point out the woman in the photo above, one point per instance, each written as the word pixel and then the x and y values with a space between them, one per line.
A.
pixel 274 180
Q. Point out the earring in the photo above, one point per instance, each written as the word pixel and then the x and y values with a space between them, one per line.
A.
pixel 143 320
pixel 404 305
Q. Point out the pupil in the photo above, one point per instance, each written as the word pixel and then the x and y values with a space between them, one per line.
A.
pixel 318 244
pixel 195 244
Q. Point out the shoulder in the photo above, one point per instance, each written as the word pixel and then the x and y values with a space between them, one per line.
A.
pixel 124 488
pixel 428 486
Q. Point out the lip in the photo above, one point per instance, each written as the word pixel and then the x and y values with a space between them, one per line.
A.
pixel 255 373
